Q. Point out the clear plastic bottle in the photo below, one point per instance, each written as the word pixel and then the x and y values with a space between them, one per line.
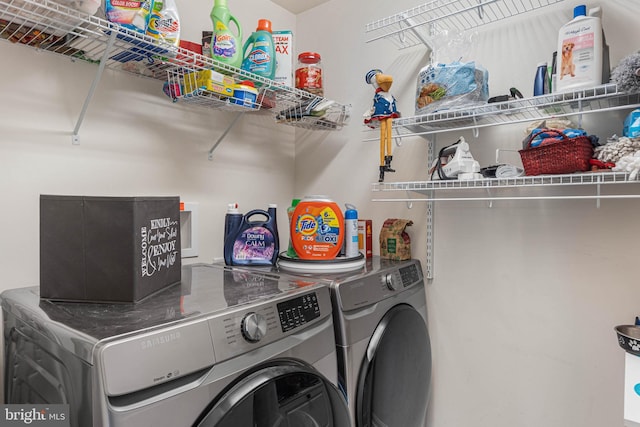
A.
pixel 309 73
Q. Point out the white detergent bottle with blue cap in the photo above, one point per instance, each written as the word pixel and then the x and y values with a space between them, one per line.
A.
pixel 351 248
pixel 579 63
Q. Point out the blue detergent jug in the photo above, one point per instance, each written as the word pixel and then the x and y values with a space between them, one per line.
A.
pixel 248 241
pixel 260 52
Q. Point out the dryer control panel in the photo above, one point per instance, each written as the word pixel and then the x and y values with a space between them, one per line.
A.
pixel 369 289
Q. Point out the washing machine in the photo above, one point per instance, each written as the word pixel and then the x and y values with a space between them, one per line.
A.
pixel 382 339
pixel 222 348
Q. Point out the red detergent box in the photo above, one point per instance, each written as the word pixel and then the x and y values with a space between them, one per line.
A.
pixel 365 239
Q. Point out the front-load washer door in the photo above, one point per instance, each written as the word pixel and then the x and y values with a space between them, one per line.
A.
pixel 395 375
pixel 281 394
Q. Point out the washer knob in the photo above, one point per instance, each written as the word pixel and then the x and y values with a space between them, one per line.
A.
pixel 254 327
pixel 388 280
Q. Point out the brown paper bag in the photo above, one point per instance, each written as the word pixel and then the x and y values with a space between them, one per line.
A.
pixel 395 243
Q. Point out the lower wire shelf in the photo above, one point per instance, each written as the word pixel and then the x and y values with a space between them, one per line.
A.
pixel 449 190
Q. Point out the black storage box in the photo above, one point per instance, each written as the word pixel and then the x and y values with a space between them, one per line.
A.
pixel 108 249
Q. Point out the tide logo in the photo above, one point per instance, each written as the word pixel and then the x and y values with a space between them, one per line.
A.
pixel 307 225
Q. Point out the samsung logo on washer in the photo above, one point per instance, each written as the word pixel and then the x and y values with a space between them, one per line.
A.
pixel 159 340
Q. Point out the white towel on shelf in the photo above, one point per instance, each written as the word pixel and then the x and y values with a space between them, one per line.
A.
pixel 509 171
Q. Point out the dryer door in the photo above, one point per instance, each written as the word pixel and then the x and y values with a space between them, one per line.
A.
pixel 283 394
pixel 395 376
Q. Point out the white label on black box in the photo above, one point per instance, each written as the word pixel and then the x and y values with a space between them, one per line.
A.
pixel 159 244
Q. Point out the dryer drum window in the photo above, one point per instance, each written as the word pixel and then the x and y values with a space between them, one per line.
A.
pixel 393 385
pixel 285 395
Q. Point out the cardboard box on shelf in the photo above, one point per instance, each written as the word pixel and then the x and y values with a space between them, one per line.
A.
pixel 365 237
pixel 209 80
pixel 283 42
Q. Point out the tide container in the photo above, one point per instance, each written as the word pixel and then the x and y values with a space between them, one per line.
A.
pixel 580 51
pixel 251 241
pixel 317 228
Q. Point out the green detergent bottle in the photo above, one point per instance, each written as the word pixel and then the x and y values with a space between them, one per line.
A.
pixel 225 45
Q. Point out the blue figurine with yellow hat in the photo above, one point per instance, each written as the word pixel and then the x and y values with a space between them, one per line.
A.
pixel 384 110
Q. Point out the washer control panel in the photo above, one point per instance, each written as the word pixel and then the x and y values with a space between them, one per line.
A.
pixel 298 311
pixel 252 325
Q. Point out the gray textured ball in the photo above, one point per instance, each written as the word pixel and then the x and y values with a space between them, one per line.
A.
pixel 627 74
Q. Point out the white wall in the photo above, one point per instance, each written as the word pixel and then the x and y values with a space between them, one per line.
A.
pixel 526 293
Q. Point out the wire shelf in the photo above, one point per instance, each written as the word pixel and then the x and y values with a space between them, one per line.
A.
pixel 411 27
pixel 441 190
pixel 55 28
pixel 589 178
pixel 597 99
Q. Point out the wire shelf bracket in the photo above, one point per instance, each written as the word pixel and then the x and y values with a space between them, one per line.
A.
pixel 75 139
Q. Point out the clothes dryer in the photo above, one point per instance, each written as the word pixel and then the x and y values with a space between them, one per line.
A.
pixel 224 348
pixel 382 339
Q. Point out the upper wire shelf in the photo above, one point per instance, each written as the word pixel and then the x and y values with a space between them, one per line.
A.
pixel 597 99
pixel 53 27
pixel 411 27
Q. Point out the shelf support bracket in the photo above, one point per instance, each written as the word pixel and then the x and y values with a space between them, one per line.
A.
pixel 409 201
pixel 480 10
pixel 598 194
pixel 412 28
pixel 476 130
pixel 490 201
pixel 226 131
pixel 431 155
pixel 94 85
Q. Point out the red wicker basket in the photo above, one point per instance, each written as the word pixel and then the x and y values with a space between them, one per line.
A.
pixel 568 155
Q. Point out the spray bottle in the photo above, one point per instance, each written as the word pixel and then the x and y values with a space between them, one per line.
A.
pixel 261 58
pixel 225 45
pixel 351 248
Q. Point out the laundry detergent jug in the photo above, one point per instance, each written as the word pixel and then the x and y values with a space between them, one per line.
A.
pixel 225 45
pixel 259 51
pixel 317 228
pixel 251 239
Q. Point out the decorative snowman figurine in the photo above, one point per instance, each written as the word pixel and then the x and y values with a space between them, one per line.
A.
pixel 384 111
